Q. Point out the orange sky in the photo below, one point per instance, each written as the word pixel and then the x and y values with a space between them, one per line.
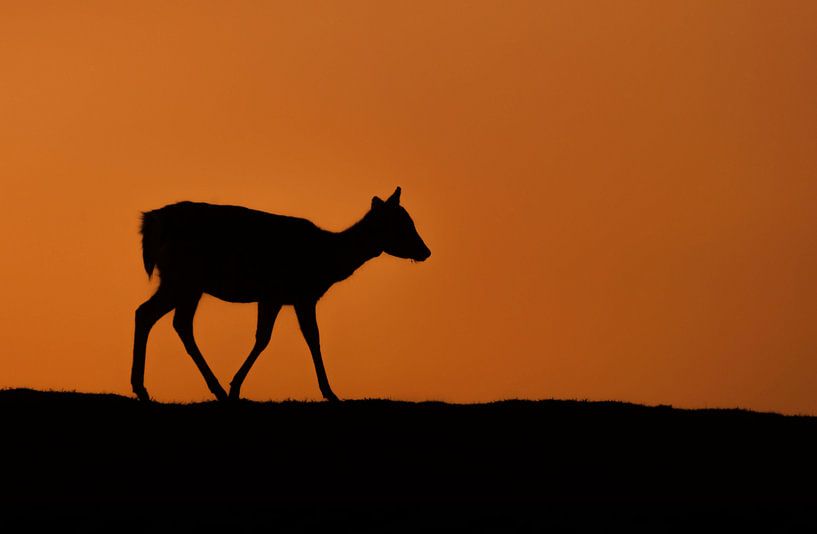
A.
pixel 620 196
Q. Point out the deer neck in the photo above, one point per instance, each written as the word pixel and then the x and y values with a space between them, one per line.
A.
pixel 355 246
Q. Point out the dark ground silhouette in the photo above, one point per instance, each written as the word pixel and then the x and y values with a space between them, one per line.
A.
pixel 242 255
pixel 90 461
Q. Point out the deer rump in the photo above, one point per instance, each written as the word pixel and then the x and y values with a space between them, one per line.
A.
pixel 234 253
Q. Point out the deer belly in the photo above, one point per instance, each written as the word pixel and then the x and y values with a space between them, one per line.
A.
pixel 242 288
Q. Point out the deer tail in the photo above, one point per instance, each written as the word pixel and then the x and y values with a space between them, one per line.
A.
pixel 150 240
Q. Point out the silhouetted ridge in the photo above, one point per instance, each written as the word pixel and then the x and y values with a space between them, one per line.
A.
pixel 514 458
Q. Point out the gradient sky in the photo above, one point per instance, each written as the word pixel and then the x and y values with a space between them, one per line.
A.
pixel 620 196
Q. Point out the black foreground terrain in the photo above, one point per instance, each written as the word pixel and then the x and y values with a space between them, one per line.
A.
pixel 106 463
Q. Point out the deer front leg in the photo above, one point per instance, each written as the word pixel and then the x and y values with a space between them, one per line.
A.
pixel 309 328
pixel 266 319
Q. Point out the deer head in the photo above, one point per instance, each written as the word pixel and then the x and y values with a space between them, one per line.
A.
pixel 395 231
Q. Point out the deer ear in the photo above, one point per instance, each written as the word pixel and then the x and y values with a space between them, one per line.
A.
pixel 377 203
pixel 394 199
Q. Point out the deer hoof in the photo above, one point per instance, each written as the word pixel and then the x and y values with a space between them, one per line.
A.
pixel 331 397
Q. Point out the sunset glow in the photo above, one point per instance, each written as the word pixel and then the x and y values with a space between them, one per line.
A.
pixel 619 196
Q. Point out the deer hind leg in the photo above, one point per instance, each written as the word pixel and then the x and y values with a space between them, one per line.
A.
pixel 266 319
pixel 147 315
pixel 309 328
pixel 183 324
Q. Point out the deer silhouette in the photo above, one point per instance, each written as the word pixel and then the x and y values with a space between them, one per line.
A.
pixel 238 254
